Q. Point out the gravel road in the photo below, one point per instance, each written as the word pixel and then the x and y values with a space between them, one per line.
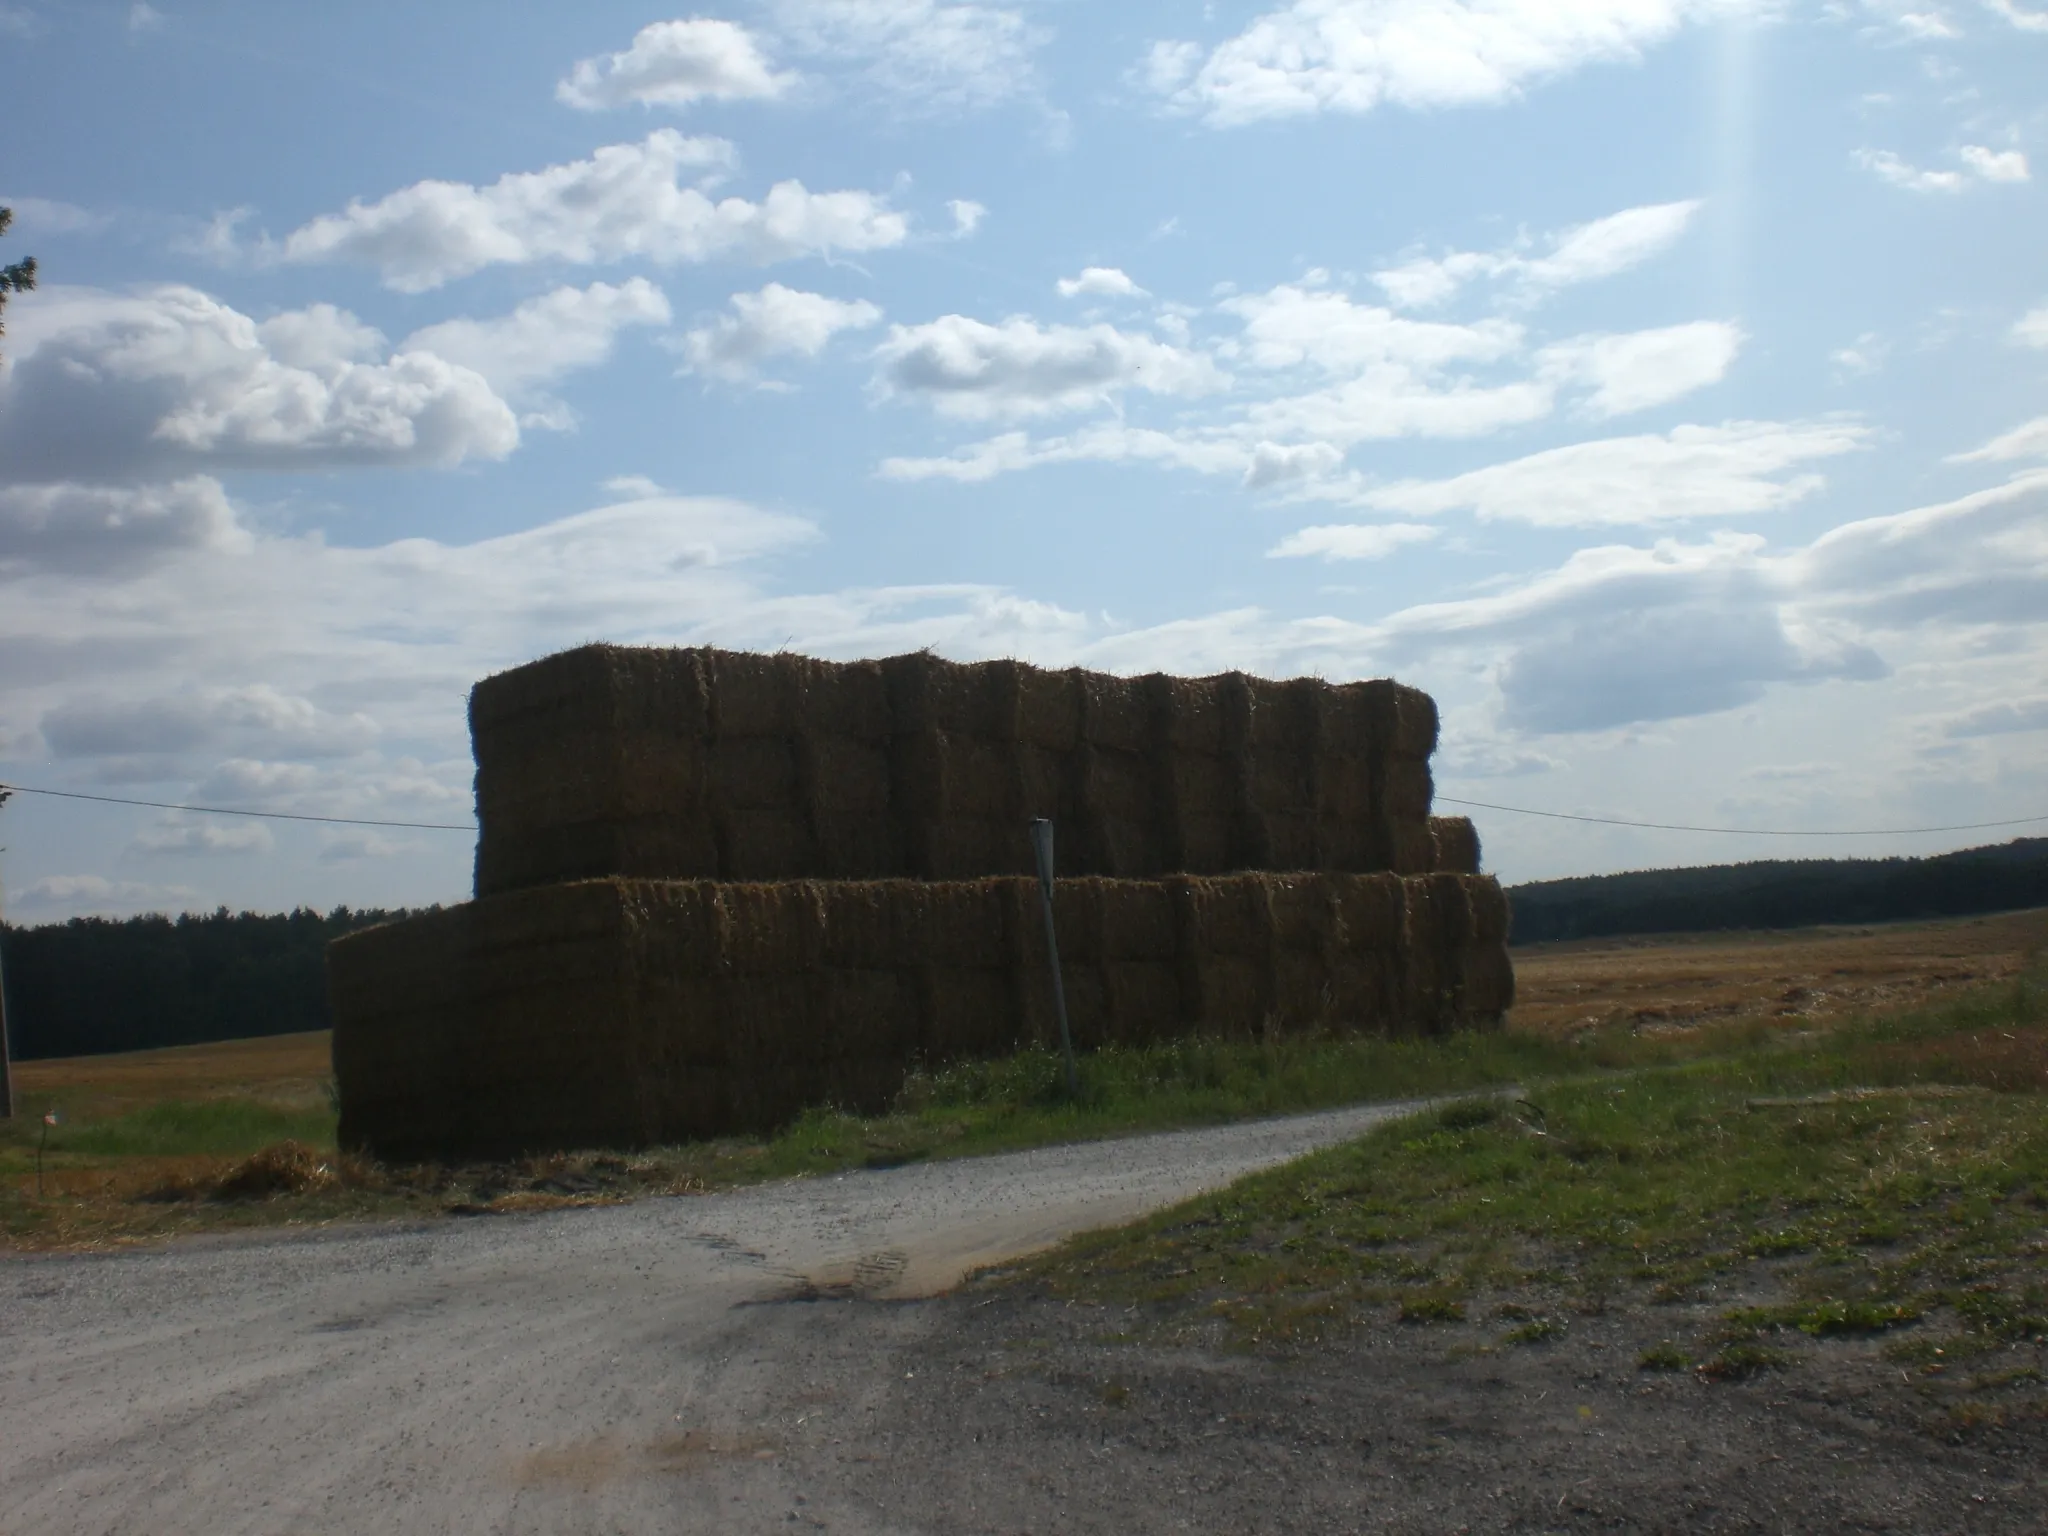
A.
pixel 677 1365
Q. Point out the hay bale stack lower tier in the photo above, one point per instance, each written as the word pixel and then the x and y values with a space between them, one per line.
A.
pixel 636 1012
pixel 707 764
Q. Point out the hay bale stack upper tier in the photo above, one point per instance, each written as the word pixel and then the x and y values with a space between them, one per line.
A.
pixel 708 764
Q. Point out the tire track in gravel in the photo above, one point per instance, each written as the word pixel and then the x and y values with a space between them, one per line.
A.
pixel 611 1369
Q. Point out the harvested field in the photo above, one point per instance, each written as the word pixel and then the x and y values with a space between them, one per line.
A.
pixel 696 764
pixel 249 1083
pixel 290 1071
pixel 1681 981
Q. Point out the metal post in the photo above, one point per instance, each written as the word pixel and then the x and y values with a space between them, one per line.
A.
pixel 6 1056
pixel 1041 844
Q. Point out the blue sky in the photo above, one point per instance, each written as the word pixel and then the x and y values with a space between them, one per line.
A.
pixel 1662 385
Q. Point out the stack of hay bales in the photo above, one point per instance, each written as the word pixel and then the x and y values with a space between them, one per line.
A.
pixel 715 888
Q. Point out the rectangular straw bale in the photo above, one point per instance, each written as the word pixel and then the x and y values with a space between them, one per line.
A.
pixel 1210 845
pixel 1077 913
pixel 1346 723
pixel 754 773
pixel 620 1012
pixel 1456 844
pixel 1411 850
pixel 1370 915
pixel 754 695
pixel 849 700
pixel 1234 993
pixel 1143 1002
pixel 1048 709
pixel 659 692
pixel 1231 916
pixel 1490 918
pixel 766 845
pixel 968 848
pixel 1488 986
pixel 1137 920
pixel 1143 774
pixel 1407 790
pixel 572 692
pixel 1292 840
pixel 1415 733
pixel 1124 788
pixel 1286 721
pixel 973 1013
pixel 848 777
pixel 982 780
pixel 1304 912
pixel 1201 784
pixel 960 923
pixel 1116 713
pixel 929 694
pixel 872 1015
pixel 1304 991
pixel 772 928
pixel 1188 715
pixel 1363 987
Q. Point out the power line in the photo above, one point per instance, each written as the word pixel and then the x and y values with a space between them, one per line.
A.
pixel 1670 826
pixel 1483 805
pixel 215 810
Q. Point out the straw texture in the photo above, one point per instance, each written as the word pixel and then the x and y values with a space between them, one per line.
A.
pixel 688 764
pixel 633 1012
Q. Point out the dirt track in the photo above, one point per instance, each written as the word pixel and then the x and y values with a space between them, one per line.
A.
pixel 646 1367
pixel 749 1362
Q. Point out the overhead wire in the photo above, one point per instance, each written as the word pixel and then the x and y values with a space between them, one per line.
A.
pixel 1674 826
pixel 220 810
pixel 1483 805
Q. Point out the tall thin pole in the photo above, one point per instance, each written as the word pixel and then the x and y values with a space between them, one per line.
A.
pixel 6 1056
pixel 1041 844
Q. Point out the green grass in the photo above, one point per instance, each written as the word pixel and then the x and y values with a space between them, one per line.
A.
pixel 209 1128
pixel 1629 1148
pixel 1887 1172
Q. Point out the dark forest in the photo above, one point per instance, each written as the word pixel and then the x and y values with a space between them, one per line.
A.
pixel 1783 893
pixel 97 984
pixel 94 985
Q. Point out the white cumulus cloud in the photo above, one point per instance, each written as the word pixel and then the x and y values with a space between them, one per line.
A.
pixel 112 529
pixel 2028 440
pixel 203 839
pixel 545 337
pixel 1351 541
pixel 970 368
pixel 773 322
pixel 2031 329
pixel 1583 253
pixel 924 53
pixel 68 893
pixel 108 386
pixel 2025 20
pixel 1352 55
pixel 1640 369
pixel 675 63
pixel 1099 282
pixel 967 216
pixel 1979 163
pixel 625 201
pixel 1734 470
pixel 1995 164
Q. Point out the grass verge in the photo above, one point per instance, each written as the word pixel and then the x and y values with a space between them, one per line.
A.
pixel 122 1170
pixel 1885 1183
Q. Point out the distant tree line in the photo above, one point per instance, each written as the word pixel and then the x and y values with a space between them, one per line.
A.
pixel 98 984
pixel 1783 893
